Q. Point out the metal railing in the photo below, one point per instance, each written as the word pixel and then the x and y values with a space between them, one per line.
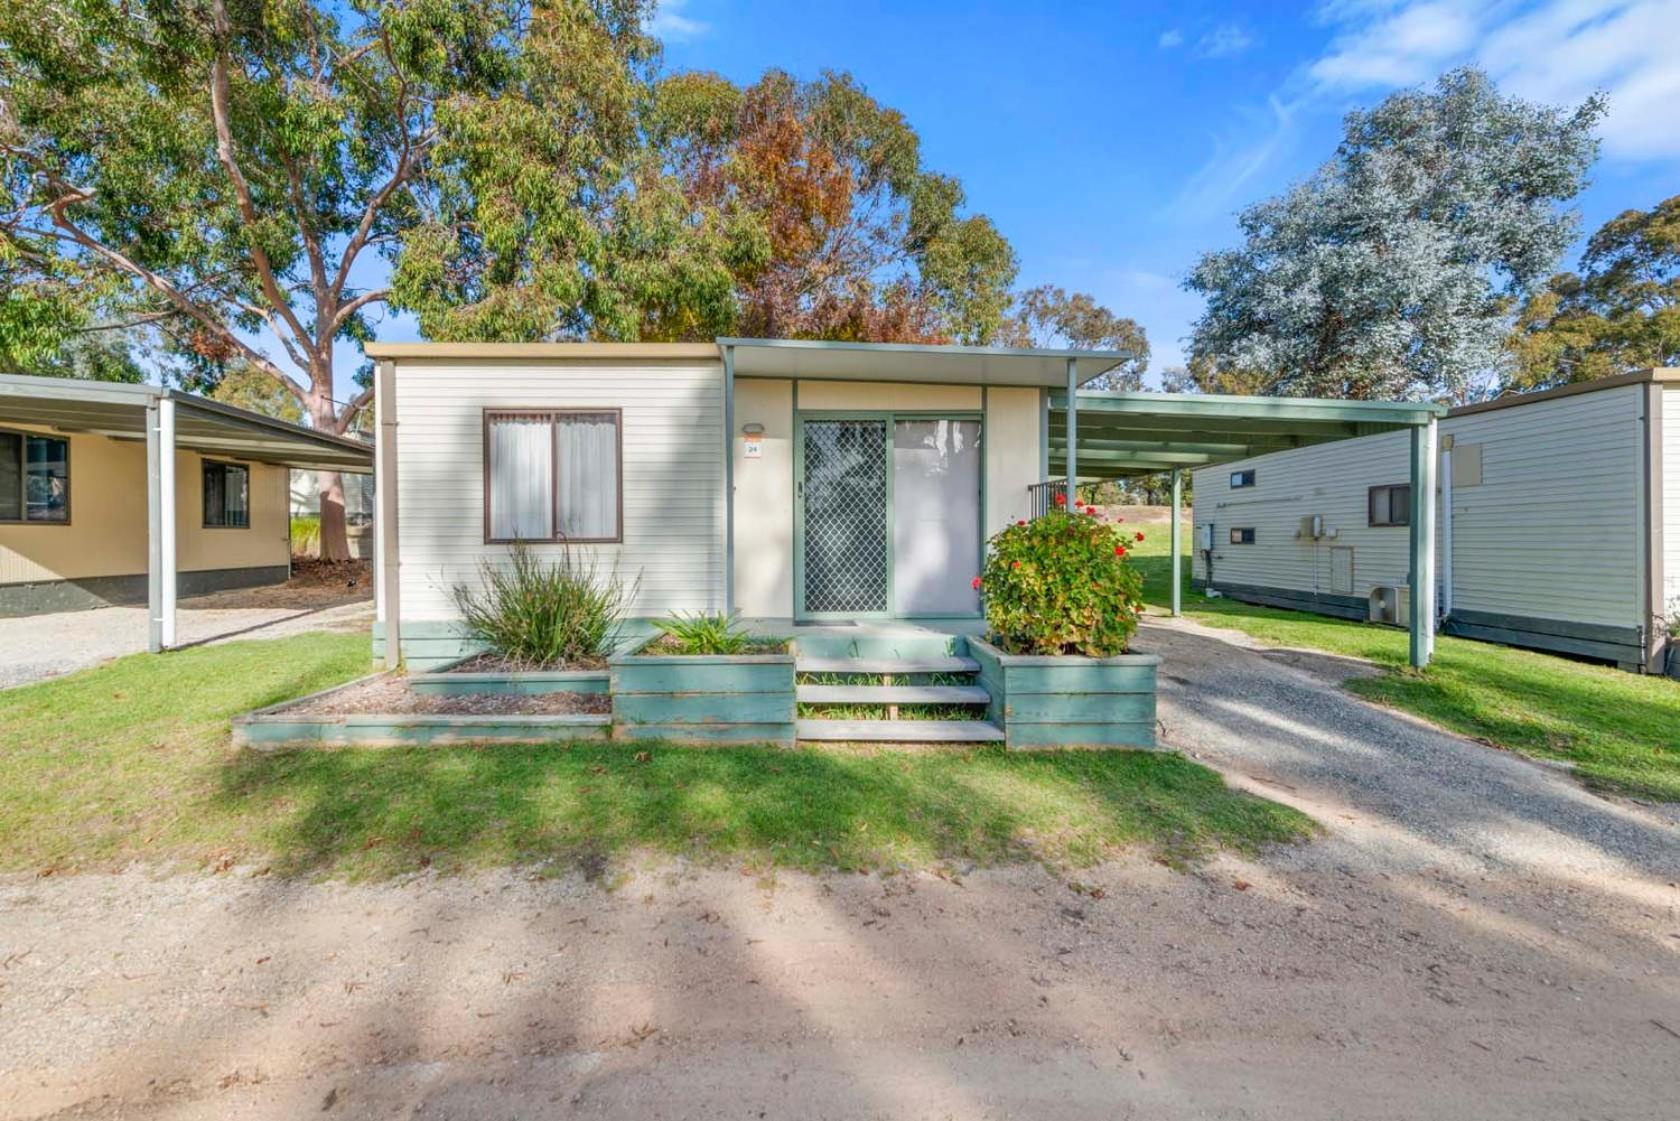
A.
pixel 1042 496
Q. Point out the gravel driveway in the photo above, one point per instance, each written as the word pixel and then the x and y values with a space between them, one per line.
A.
pixel 37 647
pixel 1473 937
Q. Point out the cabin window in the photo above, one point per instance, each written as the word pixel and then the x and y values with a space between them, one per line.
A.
pixel 1390 505
pixel 1242 536
pixel 227 496
pixel 34 478
pixel 553 475
pixel 1242 478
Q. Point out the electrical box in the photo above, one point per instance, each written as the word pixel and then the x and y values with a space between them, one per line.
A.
pixel 1204 537
pixel 1312 527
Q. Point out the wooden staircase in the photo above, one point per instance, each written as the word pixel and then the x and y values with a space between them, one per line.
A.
pixel 890 675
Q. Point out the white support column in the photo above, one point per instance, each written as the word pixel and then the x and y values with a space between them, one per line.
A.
pixel 1424 454
pixel 728 480
pixel 1177 544
pixel 154 529
pixel 1072 433
pixel 166 521
pixel 388 570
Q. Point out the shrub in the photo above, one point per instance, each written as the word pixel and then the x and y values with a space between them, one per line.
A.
pixel 1060 584
pixel 543 613
pixel 703 634
pixel 306 535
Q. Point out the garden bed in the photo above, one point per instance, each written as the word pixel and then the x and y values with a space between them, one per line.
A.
pixel 1046 701
pixel 490 673
pixel 385 711
pixel 704 698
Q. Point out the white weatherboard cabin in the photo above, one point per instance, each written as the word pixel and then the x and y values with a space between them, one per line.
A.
pixel 794 482
pixel 1550 531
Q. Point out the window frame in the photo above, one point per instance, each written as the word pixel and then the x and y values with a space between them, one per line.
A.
pixel 1371 521
pixel 1246 478
pixel 554 415
pixel 23 517
pixel 206 464
pixel 1237 535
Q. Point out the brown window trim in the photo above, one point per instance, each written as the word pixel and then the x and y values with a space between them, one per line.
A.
pixel 1371 521
pixel 205 461
pixel 554 459
pixel 23 517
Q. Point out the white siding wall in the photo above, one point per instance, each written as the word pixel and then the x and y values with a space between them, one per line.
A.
pixel 1552 532
pixel 673 473
pixel 1671 498
pixel 1326 479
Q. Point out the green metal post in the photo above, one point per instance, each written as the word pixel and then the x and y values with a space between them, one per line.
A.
pixel 1072 432
pixel 728 480
pixel 1177 544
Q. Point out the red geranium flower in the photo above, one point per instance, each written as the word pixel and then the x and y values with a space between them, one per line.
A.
pixel 1014 564
pixel 975 584
pixel 1090 509
pixel 1061 500
pixel 1119 550
pixel 1140 537
pixel 1022 521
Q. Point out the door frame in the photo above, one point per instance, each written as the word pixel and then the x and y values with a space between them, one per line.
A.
pixel 890 417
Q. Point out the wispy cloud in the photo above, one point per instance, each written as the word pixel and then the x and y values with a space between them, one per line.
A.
pixel 668 22
pixel 1241 153
pixel 1556 51
pixel 1223 41
pixel 1170 38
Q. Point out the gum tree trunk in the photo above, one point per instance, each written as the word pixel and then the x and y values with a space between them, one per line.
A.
pixel 335 536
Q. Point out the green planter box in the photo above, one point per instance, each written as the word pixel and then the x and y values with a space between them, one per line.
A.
pixel 704 699
pixel 525 682
pixel 1044 701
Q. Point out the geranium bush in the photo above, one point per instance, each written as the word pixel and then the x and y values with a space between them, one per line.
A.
pixel 1061 584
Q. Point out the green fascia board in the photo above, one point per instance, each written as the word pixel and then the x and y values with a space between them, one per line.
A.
pixel 1146 426
pixel 1262 408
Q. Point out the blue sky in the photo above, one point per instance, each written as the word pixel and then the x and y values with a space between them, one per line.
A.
pixel 1114 142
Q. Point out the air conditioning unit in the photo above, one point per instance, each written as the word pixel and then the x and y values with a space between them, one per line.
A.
pixel 1391 604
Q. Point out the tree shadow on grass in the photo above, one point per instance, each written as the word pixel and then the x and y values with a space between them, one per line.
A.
pixel 357 813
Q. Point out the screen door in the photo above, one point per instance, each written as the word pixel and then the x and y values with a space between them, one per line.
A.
pixel 847 547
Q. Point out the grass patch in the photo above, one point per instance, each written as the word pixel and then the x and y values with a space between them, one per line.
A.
pixel 1620 730
pixel 132 761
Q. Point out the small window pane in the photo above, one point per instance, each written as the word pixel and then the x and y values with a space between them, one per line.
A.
pixel 11 477
pixel 1242 536
pixel 1242 478
pixel 46 479
pixel 586 445
pixel 521 478
pixel 227 496
pixel 1390 506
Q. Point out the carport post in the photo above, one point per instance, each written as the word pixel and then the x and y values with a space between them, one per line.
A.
pixel 1177 546
pixel 166 521
pixel 1423 543
pixel 1072 433
pixel 154 530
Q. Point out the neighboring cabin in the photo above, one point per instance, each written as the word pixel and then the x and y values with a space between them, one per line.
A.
pixel 1550 530
pixel 77 512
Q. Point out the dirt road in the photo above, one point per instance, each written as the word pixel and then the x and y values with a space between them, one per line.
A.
pixel 1474 937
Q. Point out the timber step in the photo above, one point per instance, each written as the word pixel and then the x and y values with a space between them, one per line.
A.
pixel 893 695
pixel 895 666
pixel 900 731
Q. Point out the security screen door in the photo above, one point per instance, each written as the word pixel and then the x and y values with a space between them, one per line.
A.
pixel 891 509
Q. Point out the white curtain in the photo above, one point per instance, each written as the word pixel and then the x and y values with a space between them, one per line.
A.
pixel 521 477
pixel 588 447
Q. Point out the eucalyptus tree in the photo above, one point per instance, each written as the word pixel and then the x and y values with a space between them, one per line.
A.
pixel 1394 270
pixel 1050 316
pixel 253 180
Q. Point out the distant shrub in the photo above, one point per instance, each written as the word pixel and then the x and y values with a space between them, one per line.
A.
pixel 545 613
pixel 306 535
pixel 1060 584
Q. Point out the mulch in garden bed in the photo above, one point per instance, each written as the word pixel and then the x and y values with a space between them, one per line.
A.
pixel 497 663
pixel 392 696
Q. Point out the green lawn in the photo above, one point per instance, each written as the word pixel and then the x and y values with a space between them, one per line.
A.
pixel 1621 730
pixel 132 761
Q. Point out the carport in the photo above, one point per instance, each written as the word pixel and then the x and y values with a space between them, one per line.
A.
pixel 1092 436
pixel 167 420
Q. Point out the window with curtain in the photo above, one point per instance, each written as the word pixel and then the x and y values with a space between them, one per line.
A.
pixel 34 478
pixel 552 476
pixel 227 496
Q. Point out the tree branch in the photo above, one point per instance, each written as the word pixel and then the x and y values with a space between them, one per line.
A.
pixel 351 307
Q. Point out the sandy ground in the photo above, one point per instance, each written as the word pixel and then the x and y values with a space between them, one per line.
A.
pixel 1474 937
pixel 79 639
